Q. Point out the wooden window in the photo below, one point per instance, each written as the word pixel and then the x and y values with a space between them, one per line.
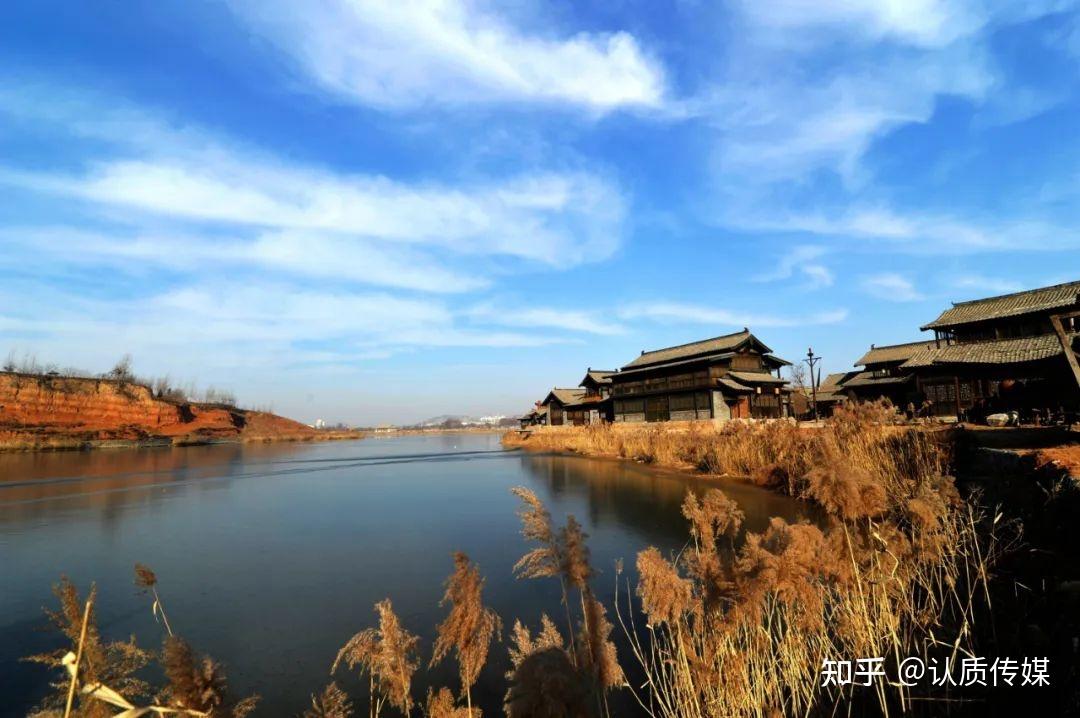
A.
pixel 682 402
pixel 656 408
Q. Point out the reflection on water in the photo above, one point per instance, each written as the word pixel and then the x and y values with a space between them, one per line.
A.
pixel 270 556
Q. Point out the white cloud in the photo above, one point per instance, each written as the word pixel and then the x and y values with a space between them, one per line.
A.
pixel 812 86
pixel 550 218
pixel 982 286
pixel 157 169
pixel 699 314
pixel 545 317
pixel 256 325
pixel 801 260
pixel 890 286
pixel 299 254
pixel 919 232
pixel 779 124
pixel 414 52
pixel 919 22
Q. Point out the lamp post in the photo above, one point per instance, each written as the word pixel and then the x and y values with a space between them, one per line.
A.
pixel 812 360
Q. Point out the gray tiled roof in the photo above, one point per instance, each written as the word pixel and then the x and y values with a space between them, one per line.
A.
pixel 598 375
pixel 732 385
pixel 832 385
pixel 683 351
pixel 866 378
pixel 565 396
pixel 1008 305
pixel 832 381
pixel 1004 351
pixel 704 347
pixel 891 353
pixel 756 377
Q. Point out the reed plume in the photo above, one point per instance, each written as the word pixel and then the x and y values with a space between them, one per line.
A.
pixel 469 628
pixel 547 559
pixel 117 664
pixel 388 655
pixel 523 644
pixel 198 683
pixel 441 704
pixel 565 555
pixel 331 703
pixel 147 579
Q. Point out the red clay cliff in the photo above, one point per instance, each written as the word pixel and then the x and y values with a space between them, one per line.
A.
pixel 43 412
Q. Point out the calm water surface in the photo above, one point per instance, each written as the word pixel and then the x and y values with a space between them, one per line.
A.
pixel 270 557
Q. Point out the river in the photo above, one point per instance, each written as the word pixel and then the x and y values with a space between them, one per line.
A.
pixel 270 556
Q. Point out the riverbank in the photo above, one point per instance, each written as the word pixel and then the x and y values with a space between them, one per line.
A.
pixel 1017 489
pixel 51 413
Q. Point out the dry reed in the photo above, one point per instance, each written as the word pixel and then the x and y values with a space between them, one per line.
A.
pixel 331 703
pixel 470 627
pixel 101 677
pixel 388 656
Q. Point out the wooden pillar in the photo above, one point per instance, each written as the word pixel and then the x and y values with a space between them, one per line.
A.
pixel 1066 346
pixel 956 389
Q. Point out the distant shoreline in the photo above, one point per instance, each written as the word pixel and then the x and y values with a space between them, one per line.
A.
pixel 62 443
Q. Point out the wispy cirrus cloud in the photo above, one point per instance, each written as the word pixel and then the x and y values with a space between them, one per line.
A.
pixel 418 52
pixel 802 260
pixel 686 313
pixel 145 166
pixel 982 285
pixel 921 232
pixel 890 286
pixel 255 325
pixel 925 23
pixel 547 218
pixel 226 255
pixel 816 87
pixel 574 320
pixel 303 254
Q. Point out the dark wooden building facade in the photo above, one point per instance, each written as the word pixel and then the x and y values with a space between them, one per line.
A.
pixel 596 406
pixel 882 375
pixel 562 406
pixel 1011 352
pixel 725 377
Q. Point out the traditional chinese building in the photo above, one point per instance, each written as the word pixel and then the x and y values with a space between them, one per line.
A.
pixel 596 406
pixel 1011 352
pixel 721 378
pixel 537 416
pixel 564 407
pixel 882 375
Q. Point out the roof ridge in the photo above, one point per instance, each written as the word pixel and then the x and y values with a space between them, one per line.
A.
pixel 744 330
pixel 901 344
pixel 1016 294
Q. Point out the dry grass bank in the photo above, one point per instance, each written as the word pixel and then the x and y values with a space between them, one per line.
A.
pixel 742 629
pixel 776 454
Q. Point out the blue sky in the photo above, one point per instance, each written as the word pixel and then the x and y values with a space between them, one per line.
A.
pixel 381 211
